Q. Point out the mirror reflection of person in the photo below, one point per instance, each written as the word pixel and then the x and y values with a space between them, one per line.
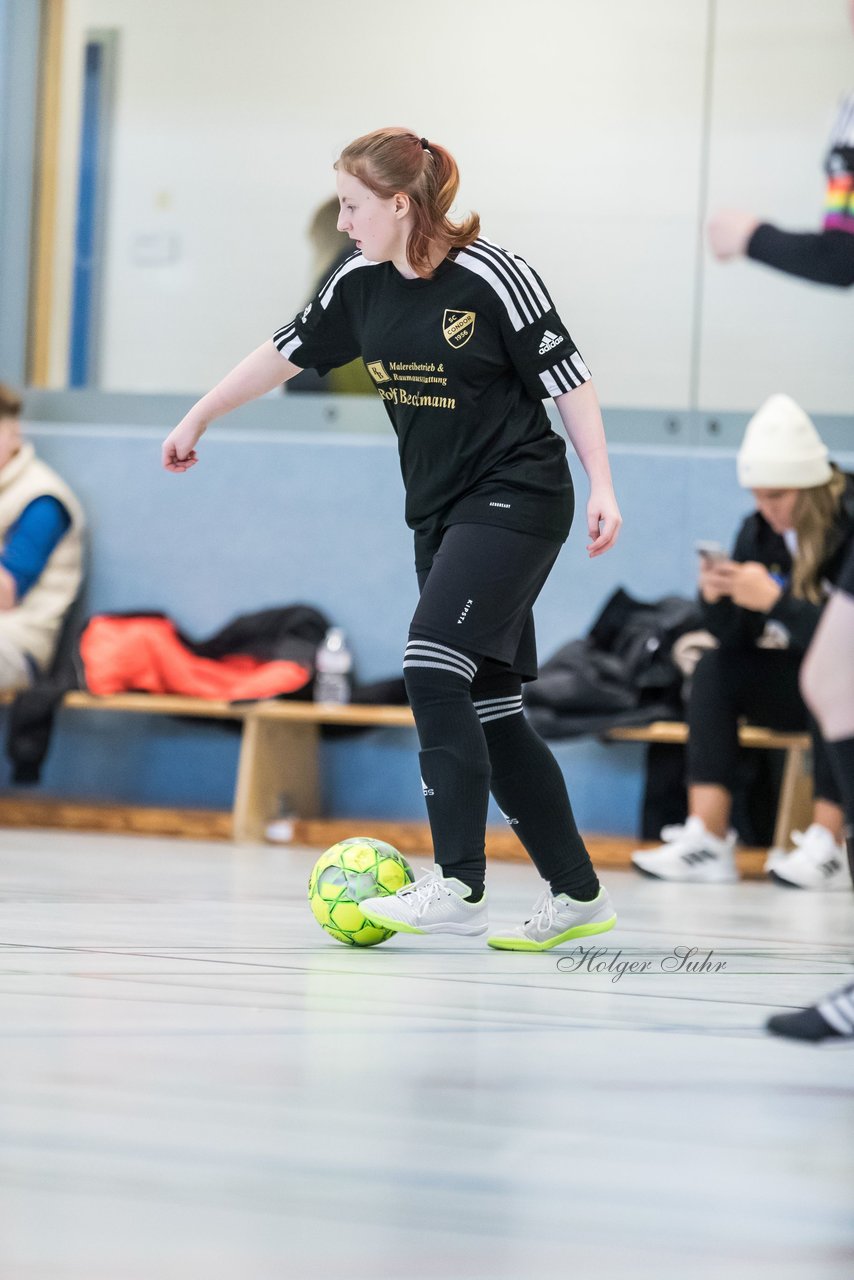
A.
pixel 763 605
pixel 41 552
pixel 826 257
pixel 330 249
pixel 464 344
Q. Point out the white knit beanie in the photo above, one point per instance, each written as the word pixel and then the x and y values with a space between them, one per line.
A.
pixel 782 449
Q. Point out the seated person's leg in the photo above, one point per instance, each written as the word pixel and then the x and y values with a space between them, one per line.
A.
pixel 818 859
pixel 728 684
pixel 703 849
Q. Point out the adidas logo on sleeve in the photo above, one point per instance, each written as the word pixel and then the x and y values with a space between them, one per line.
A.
pixel 549 340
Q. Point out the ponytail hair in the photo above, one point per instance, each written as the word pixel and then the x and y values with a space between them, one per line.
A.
pixel 395 160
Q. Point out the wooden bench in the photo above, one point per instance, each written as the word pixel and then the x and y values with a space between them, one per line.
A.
pixel 279 744
pixel 794 808
pixel 279 749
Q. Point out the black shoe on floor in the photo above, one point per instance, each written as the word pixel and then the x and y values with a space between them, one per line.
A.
pixel 831 1019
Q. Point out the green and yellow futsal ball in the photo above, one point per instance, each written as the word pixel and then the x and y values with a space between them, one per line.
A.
pixel 346 875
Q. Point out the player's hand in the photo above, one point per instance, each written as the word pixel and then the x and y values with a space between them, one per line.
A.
pixel 603 521
pixel 754 588
pixel 179 447
pixel 729 233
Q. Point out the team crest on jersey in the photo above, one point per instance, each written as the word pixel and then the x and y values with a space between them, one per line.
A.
pixel 376 369
pixel 458 326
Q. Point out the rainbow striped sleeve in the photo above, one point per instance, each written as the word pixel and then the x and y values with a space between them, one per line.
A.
pixel 839 196
pixel 839 204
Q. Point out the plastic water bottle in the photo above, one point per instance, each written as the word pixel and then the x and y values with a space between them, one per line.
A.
pixel 333 665
pixel 282 829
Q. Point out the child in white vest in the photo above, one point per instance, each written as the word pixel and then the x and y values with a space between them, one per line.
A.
pixel 41 552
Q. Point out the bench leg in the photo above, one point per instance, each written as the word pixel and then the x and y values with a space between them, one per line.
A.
pixel 277 758
pixel 794 812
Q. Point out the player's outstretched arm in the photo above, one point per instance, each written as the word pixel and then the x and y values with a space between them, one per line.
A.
pixel 259 373
pixel 581 416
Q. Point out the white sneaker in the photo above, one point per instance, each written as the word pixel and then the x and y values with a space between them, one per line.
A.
pixel 432 904
pixel 816 862
pixel 558 919
pixel 690 853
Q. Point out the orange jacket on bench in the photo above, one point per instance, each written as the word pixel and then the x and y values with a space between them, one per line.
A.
pixel 145 654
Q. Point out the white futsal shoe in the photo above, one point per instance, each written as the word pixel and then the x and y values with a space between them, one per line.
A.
pixel 558 919
pixel 432 904
pixel 816 862
pixel 690 853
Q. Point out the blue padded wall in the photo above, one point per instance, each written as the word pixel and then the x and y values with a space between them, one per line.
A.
pixel 271 518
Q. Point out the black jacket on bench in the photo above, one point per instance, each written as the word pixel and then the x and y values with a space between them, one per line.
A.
pixel 620 674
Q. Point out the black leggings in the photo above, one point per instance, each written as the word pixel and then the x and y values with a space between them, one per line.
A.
pixel 761 686
pixel 475 739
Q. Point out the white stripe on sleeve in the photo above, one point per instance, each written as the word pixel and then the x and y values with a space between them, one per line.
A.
pixel 487 273
pixel 552 389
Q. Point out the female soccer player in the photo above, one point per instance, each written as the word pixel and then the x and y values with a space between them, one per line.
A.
pixel 827 677
pixel 463 343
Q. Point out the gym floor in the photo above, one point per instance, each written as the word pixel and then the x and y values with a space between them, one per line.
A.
pixel 196 1082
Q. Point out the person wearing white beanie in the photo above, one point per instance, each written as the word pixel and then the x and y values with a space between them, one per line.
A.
pixel 762 605
pixel 782 449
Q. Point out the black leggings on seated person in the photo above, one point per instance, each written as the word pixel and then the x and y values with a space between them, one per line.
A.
pixel 757 685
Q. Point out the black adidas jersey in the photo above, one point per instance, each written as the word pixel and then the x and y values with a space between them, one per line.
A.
pixel 462 362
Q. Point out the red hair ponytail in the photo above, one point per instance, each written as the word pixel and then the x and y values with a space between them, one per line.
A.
pixel 395 160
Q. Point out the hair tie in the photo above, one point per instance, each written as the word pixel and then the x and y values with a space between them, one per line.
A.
pixel 425 145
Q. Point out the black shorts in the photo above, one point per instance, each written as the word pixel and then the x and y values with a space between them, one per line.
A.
pixel 479 592
pixel 845 581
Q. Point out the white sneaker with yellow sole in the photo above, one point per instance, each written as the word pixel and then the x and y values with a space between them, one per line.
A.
pixel 558 919
pixel 433 904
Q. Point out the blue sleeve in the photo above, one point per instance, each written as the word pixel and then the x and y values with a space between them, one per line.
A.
pixel 31 540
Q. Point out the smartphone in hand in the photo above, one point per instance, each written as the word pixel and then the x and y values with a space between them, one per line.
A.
pixel 711 552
